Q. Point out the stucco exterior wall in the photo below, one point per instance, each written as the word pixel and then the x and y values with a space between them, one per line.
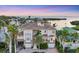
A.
pixel 28 38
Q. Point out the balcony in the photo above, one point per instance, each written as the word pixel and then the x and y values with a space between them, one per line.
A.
pixel 45 35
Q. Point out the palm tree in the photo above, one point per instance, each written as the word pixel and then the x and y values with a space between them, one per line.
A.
pixel 7 37
pixel 75 35
pixel 38 39
pixel 4 23
pixel 22 20
pixel 64 34
pixel 14 31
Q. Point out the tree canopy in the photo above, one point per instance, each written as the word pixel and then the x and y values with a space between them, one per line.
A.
pixel 75 22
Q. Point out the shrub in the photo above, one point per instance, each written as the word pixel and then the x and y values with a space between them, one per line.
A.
pixel 68 50
pixel 72 51
pixel 43 46
pixel 2 45
pixel 77 50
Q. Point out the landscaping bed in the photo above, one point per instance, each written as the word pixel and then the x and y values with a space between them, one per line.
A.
pixel 3 47
pixel 43 46
pixel 69 50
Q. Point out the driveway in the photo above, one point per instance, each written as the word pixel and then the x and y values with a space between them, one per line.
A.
pixel 53 50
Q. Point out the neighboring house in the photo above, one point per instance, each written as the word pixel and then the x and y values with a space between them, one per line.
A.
pixel 15 21
pixel 3 30
pixel 29 30
pixel 71 43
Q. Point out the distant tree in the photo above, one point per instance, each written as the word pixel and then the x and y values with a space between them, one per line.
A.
pixel 35 19
pixel 6 19
pixel 54 18
pixel 2 23
pixel 22 20
pixel 75 22
pixel 29 18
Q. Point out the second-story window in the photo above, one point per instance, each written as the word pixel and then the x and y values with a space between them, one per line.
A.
pixel 45 31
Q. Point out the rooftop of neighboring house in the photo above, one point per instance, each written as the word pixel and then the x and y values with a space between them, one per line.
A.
pixel 37 26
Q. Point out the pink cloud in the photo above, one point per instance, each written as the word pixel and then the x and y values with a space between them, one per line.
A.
pixel 35 12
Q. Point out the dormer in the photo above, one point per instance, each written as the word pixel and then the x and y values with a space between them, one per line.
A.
pixel 40 24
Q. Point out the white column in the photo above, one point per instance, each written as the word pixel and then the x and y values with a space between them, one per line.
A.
pixel 34 47
pixel 10 46
pixel 15 44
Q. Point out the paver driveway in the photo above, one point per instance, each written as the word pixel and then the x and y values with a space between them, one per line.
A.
pixel 53 50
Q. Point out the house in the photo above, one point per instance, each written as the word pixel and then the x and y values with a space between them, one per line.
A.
pixel 3 30
pixel 29 30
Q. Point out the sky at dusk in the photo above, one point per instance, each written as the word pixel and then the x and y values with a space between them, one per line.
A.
pixel 39 10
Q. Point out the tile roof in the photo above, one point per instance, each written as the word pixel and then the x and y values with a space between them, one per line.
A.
pixel 35 26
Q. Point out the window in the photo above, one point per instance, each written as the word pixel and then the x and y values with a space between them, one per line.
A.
pixel 28 39
pixel 53 31
pixel 41 22
pixel 27 34
pixel 45 31
pixel 20 43
pixel 51 39
pixel 46 40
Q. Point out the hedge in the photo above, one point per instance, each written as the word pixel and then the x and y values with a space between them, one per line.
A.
pixel 68 50
pixel 3 46
pixel 43 46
